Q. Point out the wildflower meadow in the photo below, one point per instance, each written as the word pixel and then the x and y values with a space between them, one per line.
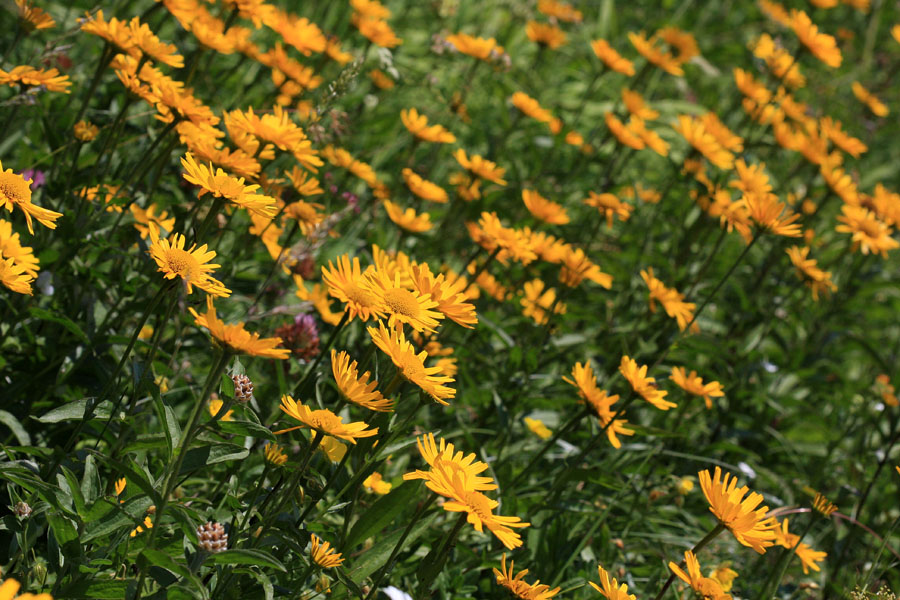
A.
pixel 450 299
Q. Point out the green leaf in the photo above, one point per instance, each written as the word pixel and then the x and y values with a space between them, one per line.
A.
pixel 382 513
pixel 74 487
pixel 119 517
pixel 163 560
pixel 247 428
pixel 375 557
pixel 17 430
pixel 169 421
pixel 197 458
pixel 63 529
pixel 90 481
pixel 99 589
pixel 77 410
pixel 46 315
pixel 245 556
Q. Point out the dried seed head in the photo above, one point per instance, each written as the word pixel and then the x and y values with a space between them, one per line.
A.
pixel 212 537
pixel 22 510
pixel 243 388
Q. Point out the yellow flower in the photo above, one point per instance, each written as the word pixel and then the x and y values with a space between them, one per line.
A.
pixel 15 191
pixel 324 421
pixel 480 48
pixel 378 31
pixel 333 449
pixel 275 454
pixel 537 427
pixel 751 526
pixel 544 209
pixel 625 135
pixel 545 34
pixel 643 385
pixel 402 305
pixel 85 131
pixel 576 267
pixel 411 365
pixel 821 503
pixel 635 104
pixel 35 18
pixel 599 401
pixel 724 576
pixel 222 185
pixel 697 135
pixel 480 166
pixel 815 278
pixel 685 485
pixel 355 389
pixel 791 541
pixel 147 524
pixel 48 79
pixel 454 476
pixel 704 587
pixel 823 46
pixel 376 485
pixel 450 296
pixel 418 126
pixel 648 49
pixel 215 405
pixel 237 339
pixel 423 188
pixel 877 107
pixel 192 265
pixel 490 234
pixel 611 589
pixel 693 384
pixel 323 555
pixel 609 205
pixel 869 234
pixel 562 11
pixel 531 107
pixel 671 299
pixel 381 80
pixel 444 457
pixel 846 142
pixel 611 58
pixel 516 585
pixel 536 302
pixel 408 219
pixel 11 248
pixel 147 221
pixel 345 283
pixel 120 486
pixel 146 41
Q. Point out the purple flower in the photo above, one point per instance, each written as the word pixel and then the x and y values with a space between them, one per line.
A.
pixel 38 178
pixel 301 336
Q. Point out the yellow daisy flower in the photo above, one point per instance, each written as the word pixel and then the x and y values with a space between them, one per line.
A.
pixel 411 365
pixel 518 587
pixel 192 265
pixel 402 305
pixel 237 339
pixel 345 283
pixel 322 554
pixel 15 191
pixel 544 209
pixel 355 389
pixel 751 526
pixel 324 421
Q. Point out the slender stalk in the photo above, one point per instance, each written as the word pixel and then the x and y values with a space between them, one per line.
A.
pixel 389 565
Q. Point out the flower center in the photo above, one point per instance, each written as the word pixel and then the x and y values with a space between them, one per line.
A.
pixel 182 263
pixel 360 296
pixel 402 302
pixel 14 188
pixel 478 503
